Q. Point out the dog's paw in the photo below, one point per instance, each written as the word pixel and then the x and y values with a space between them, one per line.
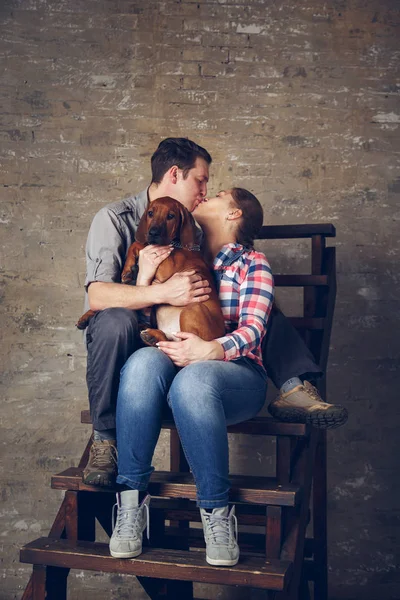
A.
pixel 130 277
pixel 84 320
pixel 151 336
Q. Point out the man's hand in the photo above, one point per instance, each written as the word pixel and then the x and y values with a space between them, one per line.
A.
pixel 183 288
pixel 191 349
pixel 150 257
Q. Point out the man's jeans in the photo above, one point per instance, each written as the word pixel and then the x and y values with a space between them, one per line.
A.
pixel 112 337
pixel 204 398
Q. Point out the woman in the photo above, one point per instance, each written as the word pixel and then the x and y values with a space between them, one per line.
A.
pixel 222 382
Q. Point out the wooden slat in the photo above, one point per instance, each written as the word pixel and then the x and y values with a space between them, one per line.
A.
pixel 251 571
pixel 273 539
pixel 255 490
pixel 174 509
pixel 38 582
pixel 263 426
pixel 256 426
pixel 301 280
pixel 279 232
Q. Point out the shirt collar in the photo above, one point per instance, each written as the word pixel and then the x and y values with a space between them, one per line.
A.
pixel 141 203
pixel 227 255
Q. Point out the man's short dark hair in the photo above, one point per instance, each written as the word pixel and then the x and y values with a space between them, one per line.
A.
pixel 176 151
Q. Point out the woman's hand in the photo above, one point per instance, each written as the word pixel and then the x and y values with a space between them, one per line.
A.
pixel 150 257
pixel 191 349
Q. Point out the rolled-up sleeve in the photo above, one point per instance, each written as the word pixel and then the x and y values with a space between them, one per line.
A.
pixel 105 249
pixel 255 303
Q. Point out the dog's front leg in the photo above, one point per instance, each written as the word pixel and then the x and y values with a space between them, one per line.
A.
pixel 131 269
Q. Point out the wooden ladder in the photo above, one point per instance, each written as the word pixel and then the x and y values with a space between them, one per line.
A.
pixel 278 558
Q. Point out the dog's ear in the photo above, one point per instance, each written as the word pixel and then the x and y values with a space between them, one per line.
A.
pixel 141 231
pixel 188 228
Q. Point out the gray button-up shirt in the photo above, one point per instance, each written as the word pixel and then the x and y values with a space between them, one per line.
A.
pixel 111 233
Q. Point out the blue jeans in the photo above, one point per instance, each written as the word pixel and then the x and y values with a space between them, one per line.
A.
pixel 204 398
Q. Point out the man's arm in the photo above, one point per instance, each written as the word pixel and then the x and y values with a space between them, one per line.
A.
pixel 181 289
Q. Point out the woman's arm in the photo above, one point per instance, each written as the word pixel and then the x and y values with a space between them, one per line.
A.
pixel 255 303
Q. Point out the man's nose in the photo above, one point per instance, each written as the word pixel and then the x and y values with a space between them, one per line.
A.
pixel 203 189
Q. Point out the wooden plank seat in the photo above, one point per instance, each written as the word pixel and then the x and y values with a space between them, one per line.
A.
pixel 276 556
pixel 256 426
pixel 155 562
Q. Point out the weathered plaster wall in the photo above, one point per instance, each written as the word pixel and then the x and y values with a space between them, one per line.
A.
pixel 298 101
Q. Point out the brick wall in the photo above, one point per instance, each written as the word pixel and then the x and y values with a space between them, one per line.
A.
pixel 297 101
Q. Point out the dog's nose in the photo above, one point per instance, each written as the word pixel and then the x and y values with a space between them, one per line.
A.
pixel 154 231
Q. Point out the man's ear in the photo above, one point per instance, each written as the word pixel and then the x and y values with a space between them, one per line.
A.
pixel 173 174
pixel 188 228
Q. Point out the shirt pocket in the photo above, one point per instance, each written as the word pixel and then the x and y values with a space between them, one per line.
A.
pixel 230 276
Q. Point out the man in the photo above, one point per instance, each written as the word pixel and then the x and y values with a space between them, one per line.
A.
pixel 180 169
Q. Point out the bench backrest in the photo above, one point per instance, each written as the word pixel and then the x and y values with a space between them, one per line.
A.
pixel 319 286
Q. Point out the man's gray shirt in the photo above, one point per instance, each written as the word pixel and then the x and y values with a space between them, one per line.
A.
pixel 111 233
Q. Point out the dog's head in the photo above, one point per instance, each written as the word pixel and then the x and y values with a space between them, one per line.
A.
pixel 166 220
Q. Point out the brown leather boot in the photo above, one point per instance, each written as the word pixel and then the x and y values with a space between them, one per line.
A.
pixel 101 468
pixel 303 404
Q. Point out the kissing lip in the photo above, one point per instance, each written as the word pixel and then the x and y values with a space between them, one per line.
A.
pixel 200 202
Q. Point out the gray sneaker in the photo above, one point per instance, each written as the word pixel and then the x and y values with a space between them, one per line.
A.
pixel 220 534
pixel 128 527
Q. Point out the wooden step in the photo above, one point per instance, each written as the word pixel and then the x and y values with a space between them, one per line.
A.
pixel 252 571
pixel 255 490
pixel 256 426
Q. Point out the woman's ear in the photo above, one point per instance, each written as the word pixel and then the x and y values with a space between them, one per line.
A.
pixel 188 228
pixel 233 214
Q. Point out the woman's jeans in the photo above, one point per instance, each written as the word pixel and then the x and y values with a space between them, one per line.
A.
pixel 204 398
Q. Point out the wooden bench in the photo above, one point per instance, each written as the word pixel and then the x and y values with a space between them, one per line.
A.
pixel 277 557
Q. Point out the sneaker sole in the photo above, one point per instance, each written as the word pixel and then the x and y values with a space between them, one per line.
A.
pixel 132 554
pixel 222 563
pixel 326 419
pixel 99 479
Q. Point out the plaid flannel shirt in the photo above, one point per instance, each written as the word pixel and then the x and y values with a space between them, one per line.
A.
pixel 246 293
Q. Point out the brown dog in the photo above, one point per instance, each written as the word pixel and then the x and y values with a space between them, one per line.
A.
pixel 167 221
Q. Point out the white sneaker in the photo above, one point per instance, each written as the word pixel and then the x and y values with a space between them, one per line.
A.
pixel 132 519
pixel 220 534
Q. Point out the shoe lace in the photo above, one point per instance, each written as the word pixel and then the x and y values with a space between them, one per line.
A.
pixel 127 523
pixel 102 455
pixel 219 528
pixel 312 391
